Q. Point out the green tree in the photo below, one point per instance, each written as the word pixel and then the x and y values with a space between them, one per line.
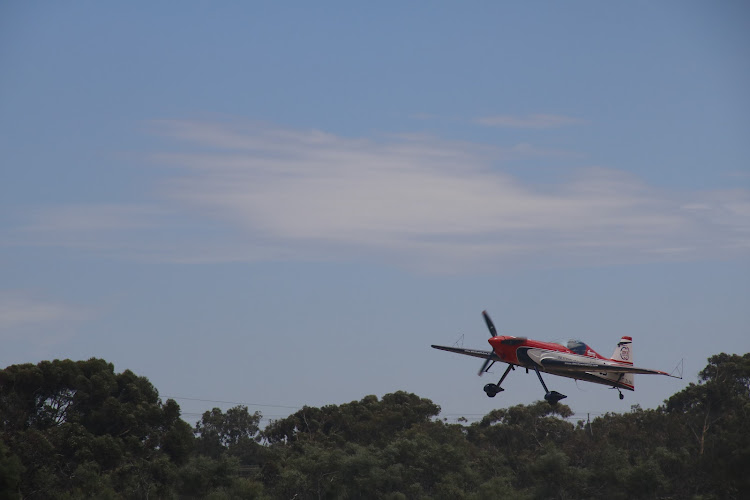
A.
pixel 366 421
pixel 716 414
pixel 235 432
pixel 80 429
pixel 11 470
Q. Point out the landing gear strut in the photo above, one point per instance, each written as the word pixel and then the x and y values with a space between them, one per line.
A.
pixel 552 397
pixel 618 389
pixel 492 389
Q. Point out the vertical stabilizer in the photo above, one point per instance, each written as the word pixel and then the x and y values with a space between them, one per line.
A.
pixel 624 351
pixel 624 354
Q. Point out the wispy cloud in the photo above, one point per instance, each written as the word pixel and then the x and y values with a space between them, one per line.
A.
pixel 20 311
pixel 534 121
pixel 256 192
pixel 101 217
pixel 128 229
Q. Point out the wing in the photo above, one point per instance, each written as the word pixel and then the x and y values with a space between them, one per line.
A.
pixel 583 366
pixel 564 362
pixel 477 353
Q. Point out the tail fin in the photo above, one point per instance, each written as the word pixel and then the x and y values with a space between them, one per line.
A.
pixel 624 351
pixel 624 354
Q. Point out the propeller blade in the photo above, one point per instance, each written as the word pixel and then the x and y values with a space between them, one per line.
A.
pixel 485 364
pixel 490 325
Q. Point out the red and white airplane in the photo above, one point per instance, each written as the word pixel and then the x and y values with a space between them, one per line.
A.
pixel 577 361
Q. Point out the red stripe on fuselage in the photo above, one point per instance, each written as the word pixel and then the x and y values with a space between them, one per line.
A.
pixel 621 361
pixel 508 354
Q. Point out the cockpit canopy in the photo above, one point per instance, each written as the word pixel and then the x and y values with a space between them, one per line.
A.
pixel 577 346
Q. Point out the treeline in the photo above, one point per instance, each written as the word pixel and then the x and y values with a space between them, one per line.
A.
pixel 80 430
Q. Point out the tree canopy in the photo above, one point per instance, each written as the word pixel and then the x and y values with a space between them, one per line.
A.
pixel 73 429
pixel 80 429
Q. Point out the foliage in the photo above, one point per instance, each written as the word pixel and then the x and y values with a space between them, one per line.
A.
pixel 367 421
pixel 715 414
pixel 78 429
pixel 234 432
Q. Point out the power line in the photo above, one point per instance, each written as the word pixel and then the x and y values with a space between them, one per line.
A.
pixel 470 417
pixel 232 402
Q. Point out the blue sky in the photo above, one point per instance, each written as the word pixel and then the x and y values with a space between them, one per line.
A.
pixel 287 204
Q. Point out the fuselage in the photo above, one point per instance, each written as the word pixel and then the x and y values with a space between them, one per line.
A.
pixel 527 353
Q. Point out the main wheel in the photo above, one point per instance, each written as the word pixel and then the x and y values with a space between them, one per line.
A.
pixel 491 390
pixel 553 397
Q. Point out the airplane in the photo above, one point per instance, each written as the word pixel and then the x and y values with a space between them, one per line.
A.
pixel 577 361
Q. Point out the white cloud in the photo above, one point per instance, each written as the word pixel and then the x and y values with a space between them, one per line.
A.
pixel 534 121
pixel 418 198
pixel 254 192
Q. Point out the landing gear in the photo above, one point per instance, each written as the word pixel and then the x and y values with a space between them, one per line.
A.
pixel 618 389
pixel 552 397
pixel 492 389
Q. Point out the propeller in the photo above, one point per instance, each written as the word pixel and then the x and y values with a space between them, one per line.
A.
pixel 490 324
pixel 484 365
pixel 493 333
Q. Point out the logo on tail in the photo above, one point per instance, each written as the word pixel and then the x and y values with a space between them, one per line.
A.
pixel 625 353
